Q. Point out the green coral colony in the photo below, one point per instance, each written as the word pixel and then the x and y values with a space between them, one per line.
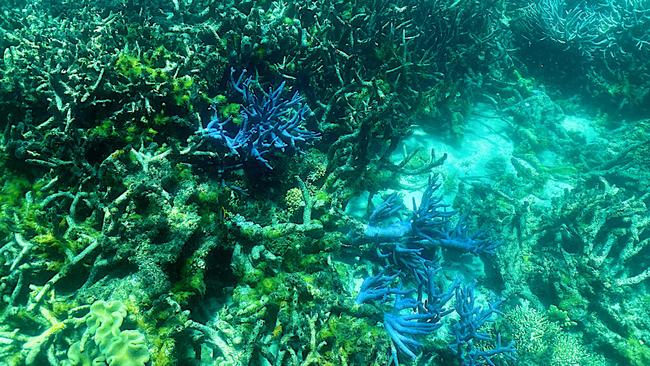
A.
pixel 324 182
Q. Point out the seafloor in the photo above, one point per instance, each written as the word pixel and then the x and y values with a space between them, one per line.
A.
pixel 325 182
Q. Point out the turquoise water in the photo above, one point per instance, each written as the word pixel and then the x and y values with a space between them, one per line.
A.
pixel 324 182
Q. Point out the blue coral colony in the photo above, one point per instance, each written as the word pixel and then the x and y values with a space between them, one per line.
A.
pixel 324 182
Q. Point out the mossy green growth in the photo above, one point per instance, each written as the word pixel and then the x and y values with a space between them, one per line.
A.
pixel 13 189
pixel 225 108
pixel 231 110
pixel 574 304
pixel 19 211
pixel 636 352
pixel 156 67
pixel 268 284
pixel 560 316
pixel 110 344
pixel 208 195
pixel 131 134
pixel 354 337
pixel 182 90
pixel 192 281
pixel 104 130
pixel 152 66
pixel 525 83
pixel 160 119
pixel 183 172
pixel 129 66
pixel 274 286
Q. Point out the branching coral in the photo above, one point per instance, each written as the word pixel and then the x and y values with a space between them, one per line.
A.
pixel 267 124
pixel 428 227
pixel 467 331
pixel 532 332
pixel 600 231
pixel 601 45
pixel 378 288
pixel 411 247
pixel 611 232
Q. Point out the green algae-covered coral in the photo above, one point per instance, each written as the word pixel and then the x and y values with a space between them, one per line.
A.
pixel 569 350
pixel 532 332
pixel 110 345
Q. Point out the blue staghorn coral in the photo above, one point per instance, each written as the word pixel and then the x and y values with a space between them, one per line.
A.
pixel 379 288
pixel 411 248
pixel 467 331
pixel 409 318
pixel 429 226
pixel 269 123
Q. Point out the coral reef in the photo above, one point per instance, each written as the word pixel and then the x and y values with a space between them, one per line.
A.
pixel 598 45
pixel 159 207
pixel 603 235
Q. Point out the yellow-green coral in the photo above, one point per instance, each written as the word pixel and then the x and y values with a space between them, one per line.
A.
pixel 111 345
pixel 293 199
pixel 531 330
pixel 569 350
